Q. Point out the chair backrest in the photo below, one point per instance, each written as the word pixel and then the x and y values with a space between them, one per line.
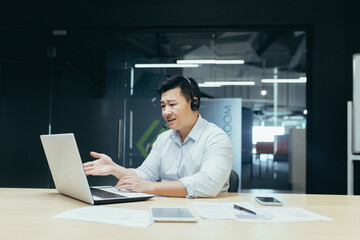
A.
pixel 282 144
pixel 233 182
pixel 264 147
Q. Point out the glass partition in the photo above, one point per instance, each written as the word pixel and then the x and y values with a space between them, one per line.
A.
pixel 101 87
pixel 259 76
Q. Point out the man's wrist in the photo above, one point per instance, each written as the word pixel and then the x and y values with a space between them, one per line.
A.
pixel 119 171
pixel 116 171
pixel 152 187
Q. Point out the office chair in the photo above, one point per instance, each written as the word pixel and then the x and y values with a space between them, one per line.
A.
pixel 233 182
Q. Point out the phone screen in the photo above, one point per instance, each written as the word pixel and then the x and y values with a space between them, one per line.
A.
pixel 268 199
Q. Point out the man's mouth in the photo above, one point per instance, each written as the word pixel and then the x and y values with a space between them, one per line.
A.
pixel 170 120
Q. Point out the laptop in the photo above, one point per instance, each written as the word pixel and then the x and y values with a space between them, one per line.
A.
pixel 69 176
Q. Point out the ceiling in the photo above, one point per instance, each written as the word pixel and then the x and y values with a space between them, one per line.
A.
pixel 28 42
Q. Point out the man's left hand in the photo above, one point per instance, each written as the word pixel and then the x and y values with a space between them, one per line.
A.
pixel 135 184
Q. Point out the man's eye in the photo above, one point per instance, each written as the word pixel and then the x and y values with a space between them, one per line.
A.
pixel 172 104
pixel 162 106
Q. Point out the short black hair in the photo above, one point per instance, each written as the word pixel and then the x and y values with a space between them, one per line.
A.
pixel 182 82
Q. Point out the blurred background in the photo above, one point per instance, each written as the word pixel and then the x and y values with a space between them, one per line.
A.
pixel 274 75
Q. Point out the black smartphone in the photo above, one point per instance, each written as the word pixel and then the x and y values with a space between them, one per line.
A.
pixel 268 201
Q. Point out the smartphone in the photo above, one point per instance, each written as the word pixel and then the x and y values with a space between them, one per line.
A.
pixel 172 214
pixel 268 201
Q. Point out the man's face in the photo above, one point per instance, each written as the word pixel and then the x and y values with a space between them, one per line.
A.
pixel 175 109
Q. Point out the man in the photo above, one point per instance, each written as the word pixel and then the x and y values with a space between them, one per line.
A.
pixel 193 159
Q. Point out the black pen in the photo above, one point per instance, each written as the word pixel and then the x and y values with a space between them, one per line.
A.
pixel 244 209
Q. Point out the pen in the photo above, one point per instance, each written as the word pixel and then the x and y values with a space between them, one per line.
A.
pixel 244 209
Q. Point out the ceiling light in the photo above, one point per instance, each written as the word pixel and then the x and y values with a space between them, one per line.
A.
pixel 165 65
pixel 229 61
pixel 209 84
pixel 243 83
pixel 290 80
pixel 186 47
pixel 59 32
pixel 263 92
pixel 305 112
pixel 211 61
pixel 226 83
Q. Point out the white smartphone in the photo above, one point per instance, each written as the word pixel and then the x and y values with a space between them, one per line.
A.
pixel 172 214
pixel 268 201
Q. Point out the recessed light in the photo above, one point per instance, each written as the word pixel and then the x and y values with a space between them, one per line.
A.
pixel 211 61
pixel 186 47
pixel 285 80
pixel 226 83
pixel 165 65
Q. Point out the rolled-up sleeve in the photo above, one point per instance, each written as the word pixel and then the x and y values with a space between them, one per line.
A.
pixel 215 169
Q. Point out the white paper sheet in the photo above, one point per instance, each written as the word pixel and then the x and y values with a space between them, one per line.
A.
pixel 118 216
pixel 283 214
pixel 211 210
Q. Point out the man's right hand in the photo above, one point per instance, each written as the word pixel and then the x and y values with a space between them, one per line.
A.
pixel 102 166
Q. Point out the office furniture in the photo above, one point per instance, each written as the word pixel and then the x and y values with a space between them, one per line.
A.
pixel 297 159
pixel 281 148
pixel 264 148
pixel 356 104
pixel 27 214
pixel 234 182
pixel 351 157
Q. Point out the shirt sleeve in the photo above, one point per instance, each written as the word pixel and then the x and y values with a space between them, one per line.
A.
pixel 215 169
pixel 150 168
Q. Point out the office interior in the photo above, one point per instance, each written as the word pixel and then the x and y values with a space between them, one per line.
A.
pixel 74 67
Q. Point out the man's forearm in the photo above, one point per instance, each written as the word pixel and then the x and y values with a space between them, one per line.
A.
pixel 169 189
pixel 120 172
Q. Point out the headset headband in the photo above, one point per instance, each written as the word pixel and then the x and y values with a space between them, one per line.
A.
pixel 195 104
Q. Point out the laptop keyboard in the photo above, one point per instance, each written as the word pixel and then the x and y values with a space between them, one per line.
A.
pixel 104 194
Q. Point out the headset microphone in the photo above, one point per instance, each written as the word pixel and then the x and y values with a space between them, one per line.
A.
pixel 166 127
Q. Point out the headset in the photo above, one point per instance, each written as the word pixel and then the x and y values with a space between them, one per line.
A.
pixel 195 104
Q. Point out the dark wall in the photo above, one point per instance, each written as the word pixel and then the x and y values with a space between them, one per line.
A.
pixel 333 36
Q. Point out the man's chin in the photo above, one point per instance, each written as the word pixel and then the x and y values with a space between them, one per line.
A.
pixel 172 126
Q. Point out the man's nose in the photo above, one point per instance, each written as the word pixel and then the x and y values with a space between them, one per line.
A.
pixel 166 111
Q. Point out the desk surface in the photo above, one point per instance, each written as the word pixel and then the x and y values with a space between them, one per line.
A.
pixel 27 214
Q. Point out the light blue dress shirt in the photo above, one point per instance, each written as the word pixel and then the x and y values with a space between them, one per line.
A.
pixel 202 162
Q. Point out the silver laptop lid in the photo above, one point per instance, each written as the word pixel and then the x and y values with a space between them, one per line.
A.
pixel 66 166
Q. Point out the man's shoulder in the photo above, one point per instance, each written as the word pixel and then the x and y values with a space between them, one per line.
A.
pixel 213 130
pixel 215 137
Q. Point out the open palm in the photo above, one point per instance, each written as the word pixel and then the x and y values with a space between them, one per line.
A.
pixel 101 167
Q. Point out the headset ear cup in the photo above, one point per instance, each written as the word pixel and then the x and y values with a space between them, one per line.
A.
pixel 195 105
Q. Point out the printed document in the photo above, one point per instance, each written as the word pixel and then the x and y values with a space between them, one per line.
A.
pixel 210 210
pixel 119 216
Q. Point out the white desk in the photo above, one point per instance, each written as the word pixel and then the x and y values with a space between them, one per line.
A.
pixel 27 214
